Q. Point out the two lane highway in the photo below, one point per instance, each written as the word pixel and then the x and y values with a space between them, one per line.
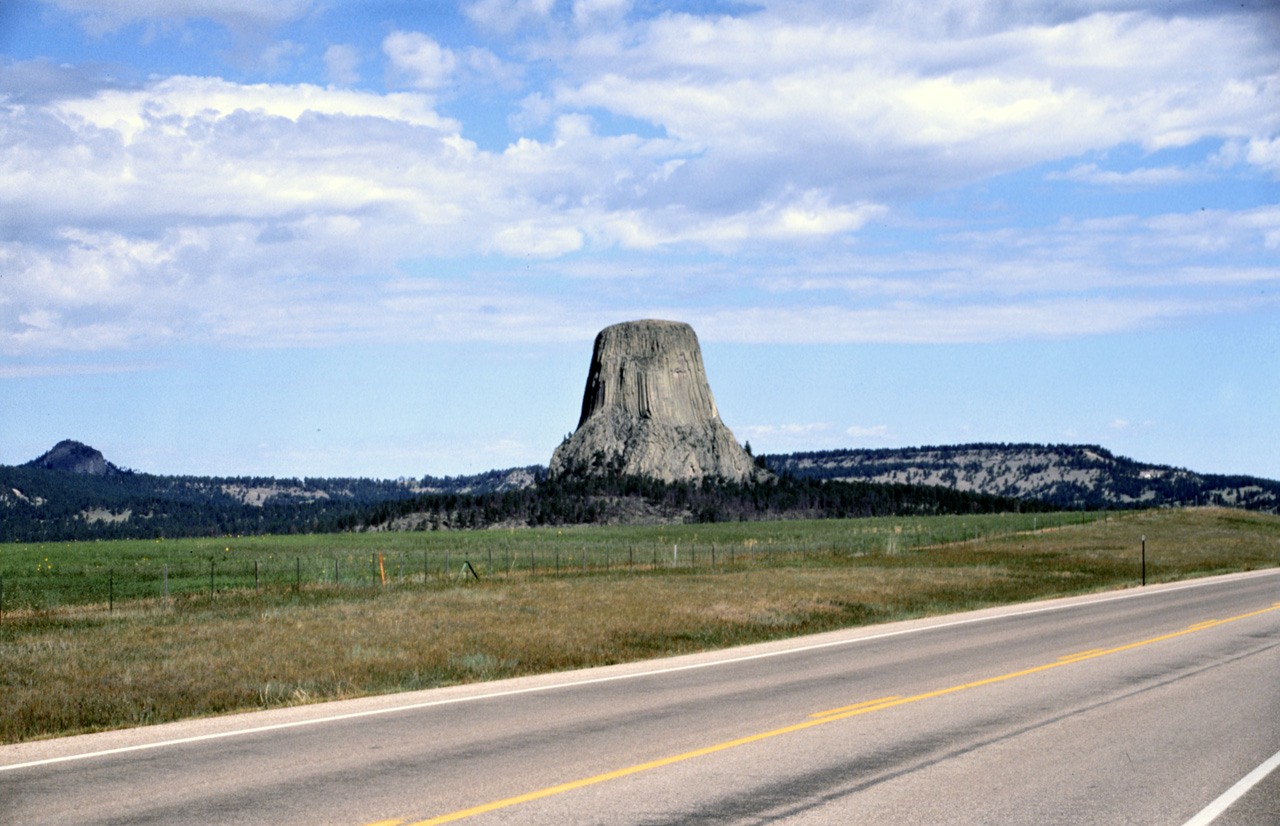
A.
pixel 1141 706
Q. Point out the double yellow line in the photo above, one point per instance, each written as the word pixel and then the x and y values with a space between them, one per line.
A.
pixel 816 719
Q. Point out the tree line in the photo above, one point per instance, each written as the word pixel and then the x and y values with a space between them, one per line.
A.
pixel 629 499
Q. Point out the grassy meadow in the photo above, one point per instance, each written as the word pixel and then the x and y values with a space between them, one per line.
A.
pixel 89 640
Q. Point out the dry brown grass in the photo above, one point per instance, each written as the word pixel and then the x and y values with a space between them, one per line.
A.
pixel 74 670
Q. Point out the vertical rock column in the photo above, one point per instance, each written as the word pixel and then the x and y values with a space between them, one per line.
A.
pixel 648 411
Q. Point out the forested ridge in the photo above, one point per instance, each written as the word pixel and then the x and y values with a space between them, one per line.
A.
pixel 48 505
pixel 1066 476
pixel 38 504
pixel 632 499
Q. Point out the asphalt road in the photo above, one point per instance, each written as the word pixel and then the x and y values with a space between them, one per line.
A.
pixel 1133 707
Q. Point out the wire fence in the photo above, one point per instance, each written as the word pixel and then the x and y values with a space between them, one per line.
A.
pixel 94 580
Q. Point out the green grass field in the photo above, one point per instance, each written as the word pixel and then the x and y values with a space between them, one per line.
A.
pixel 44 576
pixel 76 658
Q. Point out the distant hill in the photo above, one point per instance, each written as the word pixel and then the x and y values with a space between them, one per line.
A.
pixel 74 457
pixel 1066 476
pixel 72 492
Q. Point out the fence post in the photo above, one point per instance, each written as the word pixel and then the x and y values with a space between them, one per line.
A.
pixel 337 580
pixel 297 573
pixel 491 562
pixel 1 598
pixel 111 590
pixel 257 584
pixel 166 582
pixel 446 564
pixel 211 579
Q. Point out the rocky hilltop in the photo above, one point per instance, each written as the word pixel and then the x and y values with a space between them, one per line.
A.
pixel 1067 476
pixel 648 411
pixel 75 457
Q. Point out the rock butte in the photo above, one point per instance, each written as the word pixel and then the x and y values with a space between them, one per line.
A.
pixel 648 411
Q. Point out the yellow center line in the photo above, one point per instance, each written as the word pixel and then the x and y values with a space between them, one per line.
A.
pixel 1080 655
pixel 822 718
pixel 852 707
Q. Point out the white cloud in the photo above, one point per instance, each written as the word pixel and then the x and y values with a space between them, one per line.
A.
pixel 426 63
pixel 778 140
pixel 1265 153
pixel 1134 178
pixel 177 103
pixel 879 432
pixel 594 12
pixel 871 106
pixel 504 16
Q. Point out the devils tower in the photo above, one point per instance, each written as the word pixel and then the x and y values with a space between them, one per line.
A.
pixel 648 411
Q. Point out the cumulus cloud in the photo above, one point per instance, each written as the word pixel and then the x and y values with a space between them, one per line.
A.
pixel 422 63
pixel 872 105
pixel 422 60
pixel 760 152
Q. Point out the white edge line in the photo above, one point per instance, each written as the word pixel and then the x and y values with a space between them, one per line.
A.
pixel 1210 813
pixel 1128 594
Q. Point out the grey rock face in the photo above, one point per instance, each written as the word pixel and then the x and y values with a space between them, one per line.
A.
pixel 648 411
pixel 75 457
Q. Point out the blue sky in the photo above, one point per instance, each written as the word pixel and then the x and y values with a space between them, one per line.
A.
pixel 329 238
